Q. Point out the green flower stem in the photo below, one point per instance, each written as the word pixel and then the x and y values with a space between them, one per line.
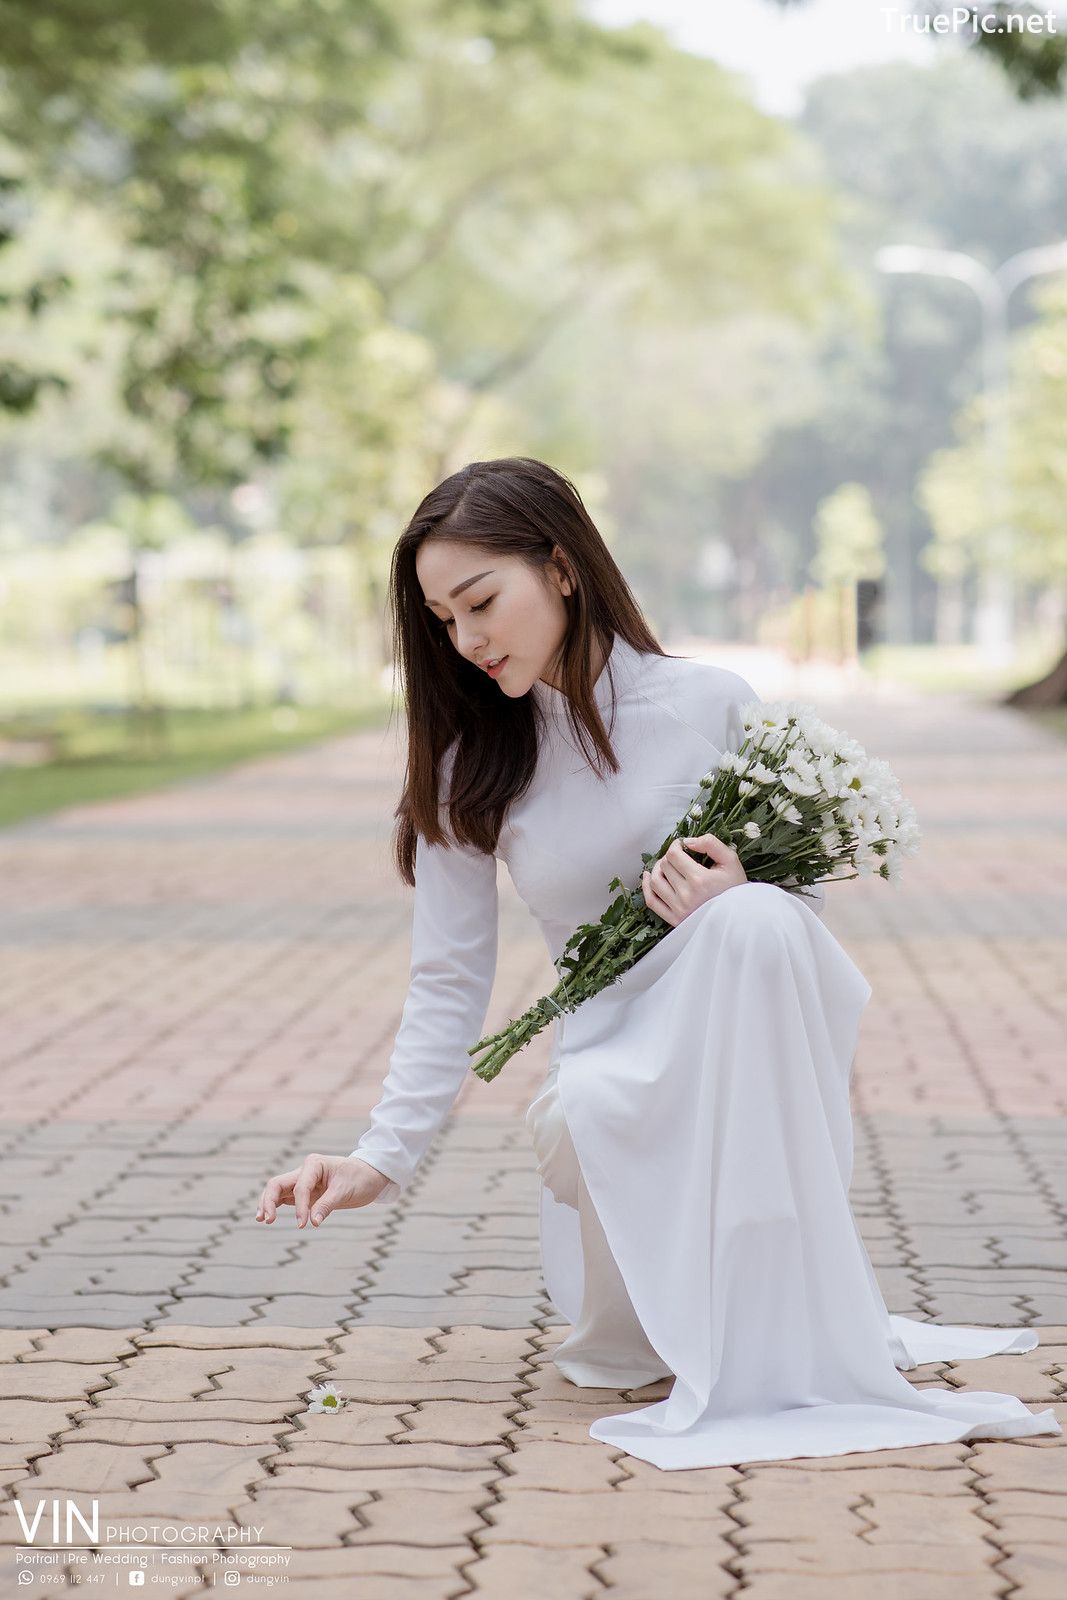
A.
pixel 791 855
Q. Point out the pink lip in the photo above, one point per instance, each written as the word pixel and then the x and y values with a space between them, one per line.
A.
pixel 495 671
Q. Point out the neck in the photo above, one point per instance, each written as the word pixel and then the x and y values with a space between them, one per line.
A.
pixel 598 661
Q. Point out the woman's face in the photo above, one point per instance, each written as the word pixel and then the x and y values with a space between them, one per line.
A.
pixel 503 607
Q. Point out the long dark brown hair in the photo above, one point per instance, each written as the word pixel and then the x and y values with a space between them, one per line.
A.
pixel 514 506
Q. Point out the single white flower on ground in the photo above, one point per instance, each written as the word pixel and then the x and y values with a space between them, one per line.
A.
pixel 325 1397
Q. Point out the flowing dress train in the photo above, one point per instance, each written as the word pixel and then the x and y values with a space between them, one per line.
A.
pixel 700 1105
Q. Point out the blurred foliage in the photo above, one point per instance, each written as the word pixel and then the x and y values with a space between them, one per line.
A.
pixel 849 537
pixel 883 390
pixel 954 486
pixel 268 273
pixel 331 251
pixel 221 143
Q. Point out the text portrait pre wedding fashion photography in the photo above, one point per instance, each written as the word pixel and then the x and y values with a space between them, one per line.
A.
pixel 693 1132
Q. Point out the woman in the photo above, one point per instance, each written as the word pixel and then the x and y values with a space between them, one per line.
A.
pixel 693 1131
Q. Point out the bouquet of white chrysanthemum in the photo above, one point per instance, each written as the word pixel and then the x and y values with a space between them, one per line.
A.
pixel 798 801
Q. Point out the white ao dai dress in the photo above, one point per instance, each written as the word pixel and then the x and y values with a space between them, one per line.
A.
pixel 693 1131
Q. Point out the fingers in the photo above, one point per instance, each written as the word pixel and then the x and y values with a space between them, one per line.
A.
pixel 279 1191
pixel 313 1188
pixel 312 1178
pixel 708 844
pixel 676 884
pixel 655 901
pixel 674 870
pixel 324 1205
pixel 679 867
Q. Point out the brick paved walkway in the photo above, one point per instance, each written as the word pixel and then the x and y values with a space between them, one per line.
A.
pixel 201 985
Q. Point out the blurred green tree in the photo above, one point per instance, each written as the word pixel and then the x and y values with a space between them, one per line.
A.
pixel 954 485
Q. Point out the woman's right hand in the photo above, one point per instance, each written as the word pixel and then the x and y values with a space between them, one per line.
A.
pixel 322 1184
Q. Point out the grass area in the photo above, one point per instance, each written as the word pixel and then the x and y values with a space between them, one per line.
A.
pixel 1052 718
pixel 78 754
pixel 937 670
pixel 957 669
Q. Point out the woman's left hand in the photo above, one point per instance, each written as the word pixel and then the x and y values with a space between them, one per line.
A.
pixel 676 884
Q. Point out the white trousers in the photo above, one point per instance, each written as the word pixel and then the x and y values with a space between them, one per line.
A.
pixel 607 1347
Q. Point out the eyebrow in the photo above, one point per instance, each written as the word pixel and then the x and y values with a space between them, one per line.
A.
pixel 452 593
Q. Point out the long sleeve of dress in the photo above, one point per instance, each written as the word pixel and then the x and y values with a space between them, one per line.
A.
pixel 453 963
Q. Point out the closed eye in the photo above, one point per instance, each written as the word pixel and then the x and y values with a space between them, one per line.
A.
pixel 482 607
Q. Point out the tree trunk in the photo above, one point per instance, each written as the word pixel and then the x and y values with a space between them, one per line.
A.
pixel 1051 690
pixel 948 627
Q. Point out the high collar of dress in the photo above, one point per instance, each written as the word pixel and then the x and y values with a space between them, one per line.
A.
pixel 619 670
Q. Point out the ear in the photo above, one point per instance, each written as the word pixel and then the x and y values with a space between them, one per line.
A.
pixel 562 569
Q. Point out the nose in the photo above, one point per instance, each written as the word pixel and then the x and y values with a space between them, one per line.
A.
pixel 470 644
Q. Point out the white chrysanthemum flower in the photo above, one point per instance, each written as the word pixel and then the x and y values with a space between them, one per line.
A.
pixel 694 811
pixel 789 813
pixel 325 1397
pixel 752 830
pixel 908 834
pixel 855 807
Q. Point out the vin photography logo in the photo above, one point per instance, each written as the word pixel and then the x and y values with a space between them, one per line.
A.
pixel 63 1532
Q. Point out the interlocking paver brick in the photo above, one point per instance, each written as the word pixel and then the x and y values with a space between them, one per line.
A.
pixel 187 1337
pixel 941 1520
pixel 1004 1464
pixel 304 1518
pixel 841 1558
pixel 509 1570
pixel 1027 1516
pixel 1038 1571
pixel 55 1380
pixel 155 1375
pixel 873 1585
pixel 458 1421
pixel 203 984
pixel 93 1467
pixel 95 1346
pixel 576 1517
pixel 554 1464
pixel 1034 1381
pixel 148 1430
